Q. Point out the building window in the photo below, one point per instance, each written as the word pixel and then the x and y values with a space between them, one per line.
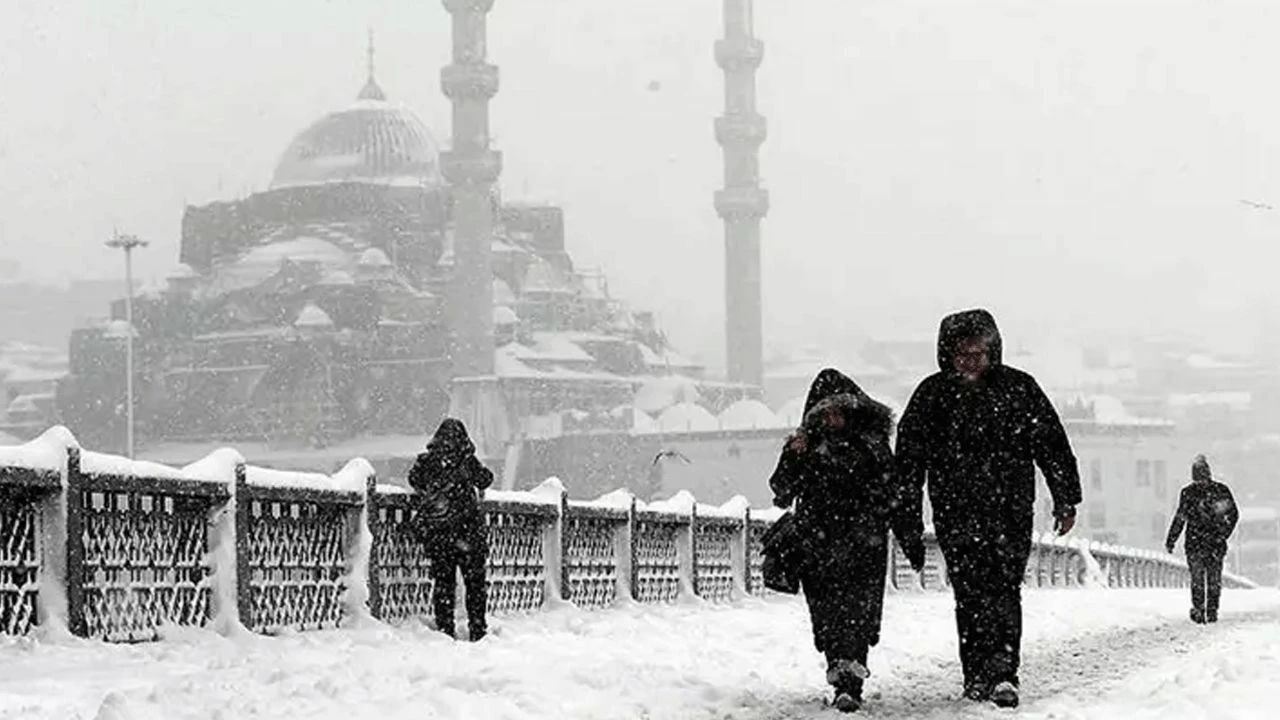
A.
pixel 1095 474
pixel 1143 473
pixel 1097 517
pixel 1162 479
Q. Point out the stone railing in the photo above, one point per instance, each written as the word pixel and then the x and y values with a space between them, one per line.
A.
pixel 104 547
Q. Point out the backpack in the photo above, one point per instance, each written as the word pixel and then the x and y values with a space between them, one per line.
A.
pixel 444 503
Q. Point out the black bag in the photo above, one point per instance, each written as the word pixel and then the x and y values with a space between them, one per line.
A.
pixel 785 552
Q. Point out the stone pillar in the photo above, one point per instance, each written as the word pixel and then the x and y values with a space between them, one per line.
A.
pixel 742 204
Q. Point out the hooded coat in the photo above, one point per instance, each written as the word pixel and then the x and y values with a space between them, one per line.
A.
pixel 1208 511
pixel 449 478
pixel 978 444
pixel 843 488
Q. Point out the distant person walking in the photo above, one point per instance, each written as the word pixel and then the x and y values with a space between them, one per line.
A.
pixel 450 481
pixel 837 470
pixel 1207 509
pixel 975 432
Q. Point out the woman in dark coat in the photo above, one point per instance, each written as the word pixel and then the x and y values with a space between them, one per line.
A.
pixel 449 480
pixel 838 470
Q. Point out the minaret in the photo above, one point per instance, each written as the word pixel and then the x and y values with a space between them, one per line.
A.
pixel 371 91
pixel 742 203
pixel 471 170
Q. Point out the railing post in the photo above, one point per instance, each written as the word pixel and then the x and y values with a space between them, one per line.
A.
pixel 244 589
pixel 75 563
pixel 566 590
pixel 740 557
pixel 685 546
pixel 555 588
pixel 622 544
pixel 634 574
pixel 373 517
pixel 693 550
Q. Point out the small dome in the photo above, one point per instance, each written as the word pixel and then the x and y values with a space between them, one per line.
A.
pixel 373 141
pixel 374 258
pixel 749 414
pixel 313 317
pixel 337 277
pixel 503 315
pixel 687 417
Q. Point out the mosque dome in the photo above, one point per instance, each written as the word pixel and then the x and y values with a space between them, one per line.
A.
pixel 373 141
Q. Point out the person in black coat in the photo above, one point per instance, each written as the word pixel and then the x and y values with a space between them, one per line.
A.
pixel 1208 510
pixel 837 469
pixel 975 431
pixel 450 480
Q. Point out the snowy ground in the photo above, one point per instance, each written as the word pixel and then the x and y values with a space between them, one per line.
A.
pixel 1087 654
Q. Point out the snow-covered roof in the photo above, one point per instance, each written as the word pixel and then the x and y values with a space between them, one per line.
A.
pixel 1236 400
pixel 657 394
pixel 313 317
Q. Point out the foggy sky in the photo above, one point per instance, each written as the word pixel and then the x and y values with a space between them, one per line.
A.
pixel 1071 164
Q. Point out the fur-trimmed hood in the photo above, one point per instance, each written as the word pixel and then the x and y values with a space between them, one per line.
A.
pixel 833 389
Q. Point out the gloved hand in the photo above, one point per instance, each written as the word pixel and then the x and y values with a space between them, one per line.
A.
pixel 782 501
pixel 1064 518
pixel 1168 549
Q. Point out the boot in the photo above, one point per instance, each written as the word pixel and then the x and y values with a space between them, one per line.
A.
pixel 1197 616
pixel 977 691
pixel 1005 695
pixel 840 671
pixel 846 703
pixel 1211 616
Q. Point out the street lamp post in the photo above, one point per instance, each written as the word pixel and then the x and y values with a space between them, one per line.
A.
pixel 127 243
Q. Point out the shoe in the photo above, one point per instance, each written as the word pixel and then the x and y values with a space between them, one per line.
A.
pixel 846 703
pixel 977 691
pixel 1197 616
pixel 1005 695
pixel 1211 616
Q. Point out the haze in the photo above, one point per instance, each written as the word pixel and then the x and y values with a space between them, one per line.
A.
pixel 1076 166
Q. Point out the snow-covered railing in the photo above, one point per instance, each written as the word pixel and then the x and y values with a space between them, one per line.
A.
pixel 118 550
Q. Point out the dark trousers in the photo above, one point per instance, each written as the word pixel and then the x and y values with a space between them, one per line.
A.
pixel 471 558
pixel 1206 580
pixel 987 581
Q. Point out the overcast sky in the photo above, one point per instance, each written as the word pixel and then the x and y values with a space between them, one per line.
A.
pixel 1071 164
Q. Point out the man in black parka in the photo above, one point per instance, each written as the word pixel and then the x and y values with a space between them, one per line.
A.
pixel 1208 510
pixel 975 432
pixel 837 469
pixel 450 480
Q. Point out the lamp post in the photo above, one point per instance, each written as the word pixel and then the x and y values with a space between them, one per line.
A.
pixel 127 243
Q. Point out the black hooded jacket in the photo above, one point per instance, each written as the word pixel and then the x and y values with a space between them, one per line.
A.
pixel 842 480
pixel 977 444
pixel 448 479
pixel 843 487
pixel 1208 511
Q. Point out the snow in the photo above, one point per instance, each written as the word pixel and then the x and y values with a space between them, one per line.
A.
pixel 749 414
pixel 103 464
pixel 658 394
pixel 681 504
pixel 46 452
pixel 313 316
pixel 792 412
pixel 687 417
pixel 1086 654
pixel 351 478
